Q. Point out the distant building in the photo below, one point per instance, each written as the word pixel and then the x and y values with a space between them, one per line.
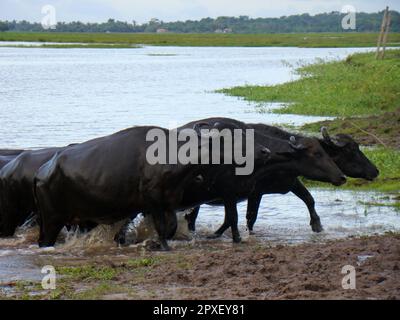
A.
pixel 226 30
pixel 161 30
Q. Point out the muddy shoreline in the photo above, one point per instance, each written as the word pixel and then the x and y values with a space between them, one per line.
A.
pixel 207 269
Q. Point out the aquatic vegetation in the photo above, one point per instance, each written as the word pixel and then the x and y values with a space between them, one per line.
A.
pixel 395 205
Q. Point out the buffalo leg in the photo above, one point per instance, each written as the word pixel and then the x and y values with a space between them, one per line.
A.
pixel 50 222
pixel 221 229
pixel 87 226
pixel 191 218
pixel 49 231
pixel 301 191
pixel 164 222
pixel 231 220
pixel 253 204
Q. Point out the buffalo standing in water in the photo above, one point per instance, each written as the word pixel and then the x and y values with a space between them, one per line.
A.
pixel 108 179
pixel 6 155
pixel 343 150
pixel 16 188
pixel 221 183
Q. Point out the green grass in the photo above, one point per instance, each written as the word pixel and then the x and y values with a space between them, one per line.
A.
pixel 89 272
pixel 387 161
pixel 240 40
pixel 359 85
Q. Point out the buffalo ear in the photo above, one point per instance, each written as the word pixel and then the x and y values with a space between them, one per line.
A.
pixel 289 153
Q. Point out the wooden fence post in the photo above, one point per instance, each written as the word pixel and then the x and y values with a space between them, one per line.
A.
pixel 385 36
pixel 381 33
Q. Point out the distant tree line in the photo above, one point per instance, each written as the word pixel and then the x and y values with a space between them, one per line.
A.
pixel 324 22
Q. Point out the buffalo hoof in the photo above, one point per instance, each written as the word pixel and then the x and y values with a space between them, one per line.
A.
pixel 120 239
pixel 164 246
pixel 316 225
pixel 251 232
pixel 214 236
pixel 237 239
pixel 43 244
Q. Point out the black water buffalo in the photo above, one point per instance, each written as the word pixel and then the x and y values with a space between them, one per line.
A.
pixel 342 149
pixel 220 180
pixel 16 188
pixel 10 152
pixel 5 159
pixel 6 155
pixel 302 157
pixel 108 179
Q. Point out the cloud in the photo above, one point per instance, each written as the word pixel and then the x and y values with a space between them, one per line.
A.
pixel 171 10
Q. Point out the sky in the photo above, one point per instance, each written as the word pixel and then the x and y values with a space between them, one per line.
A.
pixel 173 10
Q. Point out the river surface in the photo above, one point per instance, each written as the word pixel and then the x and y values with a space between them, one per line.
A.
pixel 53 97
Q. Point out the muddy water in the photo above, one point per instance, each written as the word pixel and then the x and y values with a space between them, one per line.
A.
pixel 52 97
pixel 282 219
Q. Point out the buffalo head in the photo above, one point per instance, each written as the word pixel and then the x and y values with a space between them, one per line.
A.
pixel 347 155
pixel 313 162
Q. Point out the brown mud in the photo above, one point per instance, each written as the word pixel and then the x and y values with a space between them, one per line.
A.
pixel 217 269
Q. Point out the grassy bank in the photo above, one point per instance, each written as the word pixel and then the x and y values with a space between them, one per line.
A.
pixel 364 93
pixel 359 85
pixel 76 46
pixel 240 40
